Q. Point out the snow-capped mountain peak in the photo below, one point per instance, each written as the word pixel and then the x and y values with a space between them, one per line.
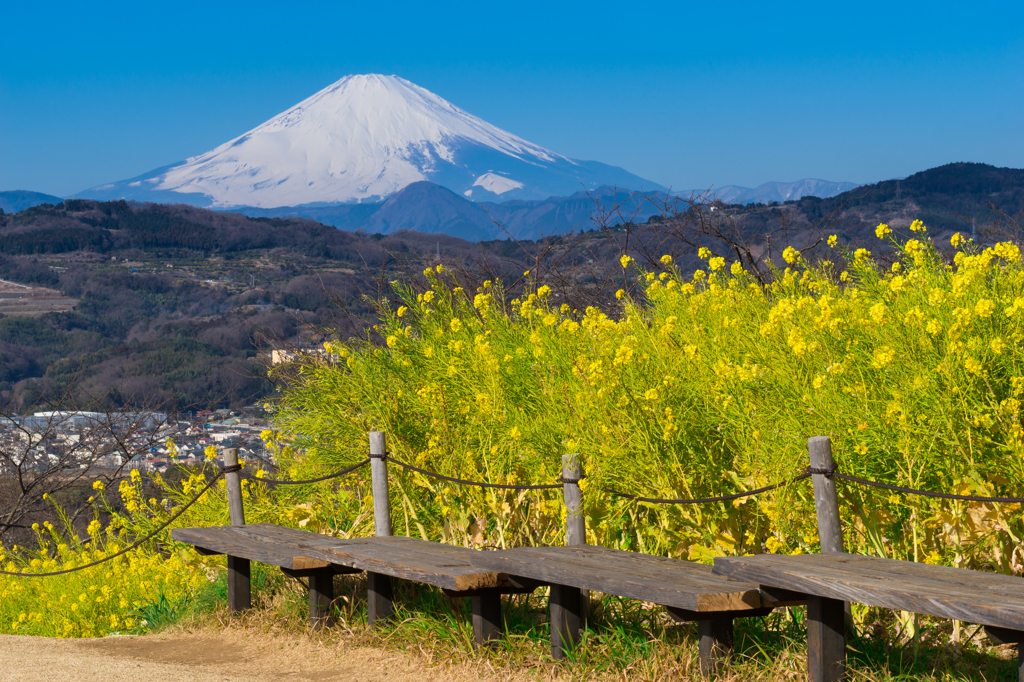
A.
pixel 364 138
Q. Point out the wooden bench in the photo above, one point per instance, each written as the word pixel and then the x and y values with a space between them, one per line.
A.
pixel 690 591
pixel 827 580
pixel 319 557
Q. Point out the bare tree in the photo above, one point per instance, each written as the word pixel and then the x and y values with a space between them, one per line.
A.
pixel 65 445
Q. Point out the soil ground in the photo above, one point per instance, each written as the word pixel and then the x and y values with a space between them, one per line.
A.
pixel 216 656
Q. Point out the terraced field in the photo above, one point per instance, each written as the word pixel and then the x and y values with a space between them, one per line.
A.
pixel 19 299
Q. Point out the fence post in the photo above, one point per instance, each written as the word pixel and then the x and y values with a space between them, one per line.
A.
pixel 568 605
pixel 378 587
pixel 826 500
pixel 239 570
pixel 826 639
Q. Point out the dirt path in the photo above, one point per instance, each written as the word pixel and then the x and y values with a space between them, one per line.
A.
pixel 225 656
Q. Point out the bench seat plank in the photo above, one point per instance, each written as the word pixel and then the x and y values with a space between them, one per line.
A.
pixel 222 540
pixel 660 580
pixel 942 591
pixel 432 563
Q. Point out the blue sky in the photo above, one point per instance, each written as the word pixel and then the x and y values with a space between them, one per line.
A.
pixel 689 95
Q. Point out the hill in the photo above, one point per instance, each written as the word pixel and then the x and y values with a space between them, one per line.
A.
pixel 20 199
pixel 178 304
pixel 953 197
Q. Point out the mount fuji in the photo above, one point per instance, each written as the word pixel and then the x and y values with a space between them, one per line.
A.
pixel 363 139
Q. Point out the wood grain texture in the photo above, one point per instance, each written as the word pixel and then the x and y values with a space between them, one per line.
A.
pixel 941 591
pixel 660 580
pixel 826 500
pixel 379 480
pixel 400 557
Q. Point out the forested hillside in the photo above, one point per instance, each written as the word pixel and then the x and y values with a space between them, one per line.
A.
pixel 176 304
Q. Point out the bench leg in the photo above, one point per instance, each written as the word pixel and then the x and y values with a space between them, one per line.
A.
pixel 564 605
pixel 239 584
pixel 321 594
pixel 826 639
pixel 379 597
pixel 487 626
pixel 715 644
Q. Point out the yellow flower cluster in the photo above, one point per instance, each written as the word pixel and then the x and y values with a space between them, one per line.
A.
pixel 700 385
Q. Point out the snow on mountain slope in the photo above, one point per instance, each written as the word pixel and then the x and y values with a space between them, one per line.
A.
pixel 362 139
pixel 779 191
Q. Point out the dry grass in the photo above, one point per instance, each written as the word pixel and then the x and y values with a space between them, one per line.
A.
pixel 626 640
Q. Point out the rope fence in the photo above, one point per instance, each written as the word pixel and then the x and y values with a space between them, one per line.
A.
pixel 807 472
pixel 234 468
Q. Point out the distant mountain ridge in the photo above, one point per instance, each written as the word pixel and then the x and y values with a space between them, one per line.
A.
pixel 430 208
pixel 779 191
pixel 362 139
pixel 20 199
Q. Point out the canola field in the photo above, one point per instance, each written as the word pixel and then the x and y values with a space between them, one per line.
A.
pixel 703 384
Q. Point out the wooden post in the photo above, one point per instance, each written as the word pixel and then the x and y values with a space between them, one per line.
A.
pixel 575 521
pixel 379 593
pixel 564 605
pixel 826 500
pixel 487 626
pixel 826 639
pixel 715 642
pixel 826 631
pixel 321 594
pixel 239 570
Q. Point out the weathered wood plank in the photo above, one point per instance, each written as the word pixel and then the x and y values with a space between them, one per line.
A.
pixel 227 540
pixel 401 557
pixel 940 591
pixel 660 580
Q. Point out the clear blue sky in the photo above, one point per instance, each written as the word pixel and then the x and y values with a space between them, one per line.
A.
pixel 686 94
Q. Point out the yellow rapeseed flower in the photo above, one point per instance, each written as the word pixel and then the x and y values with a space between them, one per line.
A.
pixel 620 294
pixel 97 485
pixel 455 324
pixel 716 263
pixel 984 308
pixel 736 268
pixel 440 268
pixel 917 226
pixel 883 357
pixel 882 231
pixel 402 310
pixel 704 253
pixel 956 239
pixel 833 240
pixel 790 255
pixel 544 291
pixel 625 261
pixel 666 259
